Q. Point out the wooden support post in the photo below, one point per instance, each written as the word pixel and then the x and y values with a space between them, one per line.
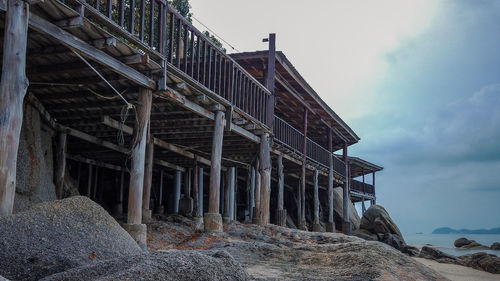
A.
pixel 373 182
pixel 299 202
pixel 186 203
pixel 160 209
pixel 346 223
pixel 363 207
pixel 270 74
pixel 118 208
pixel 280 211
pixel 213 219
pixel 134 216
pixel 229 195
pixel 13 88
pixel 251 204
pixel 303 223
pixel 256 210
pixel 265 178
pixel 226 197
pixel 196 199
pixel 148 178
pixel 60 164
pixel 177 191
pixel 330 226
pixel 89 182
pixel 96 182
pixel 316 226
pixel 200 192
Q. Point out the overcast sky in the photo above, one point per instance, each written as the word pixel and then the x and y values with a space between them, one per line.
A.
pixel 418 81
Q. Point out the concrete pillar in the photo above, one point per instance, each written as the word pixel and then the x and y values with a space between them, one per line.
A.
pixel 186 202
pixel 134 218
pixel 177 190
pixel 280 211
pixel 316 225
pixel 229 196
pixel 213 220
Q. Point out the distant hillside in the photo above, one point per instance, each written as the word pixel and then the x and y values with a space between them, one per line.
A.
pixel 447 230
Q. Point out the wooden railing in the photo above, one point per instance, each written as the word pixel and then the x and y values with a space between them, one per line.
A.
pixel 359 187
pixel 293 139
pixel 158 29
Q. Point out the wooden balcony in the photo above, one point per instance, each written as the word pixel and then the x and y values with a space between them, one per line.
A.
pixel 291 138
pixel 359 191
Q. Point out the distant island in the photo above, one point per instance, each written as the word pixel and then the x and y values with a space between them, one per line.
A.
pixel 447 230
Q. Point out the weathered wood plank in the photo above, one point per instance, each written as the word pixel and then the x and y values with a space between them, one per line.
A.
pixel 265 179
pixel 215 168
pixel 13 88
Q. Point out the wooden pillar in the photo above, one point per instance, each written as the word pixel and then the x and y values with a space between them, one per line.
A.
pixel 265 179
pixel 213 219
pixel 303 224
pixel 346 223
pixel 235 195
pixel 251 204
pixel 316 226
pixel 186 203
pixel 89 182
pixel 143 110
pixel 330 226
pixel 280 211
pixel 96 183
pixel 299 202
pixel 177 190
pixel 118 207
pixel 374 193
pixel 200 192
pixel 256 196
pixel 270 74
pixel 226 199
pixel 229 195
pixel 196 205
pixel 363 207
pixel 160 209
pixel 148 177
pixel 61 164
pixel 13 87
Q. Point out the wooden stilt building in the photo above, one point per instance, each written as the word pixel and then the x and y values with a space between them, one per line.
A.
pixel 138 97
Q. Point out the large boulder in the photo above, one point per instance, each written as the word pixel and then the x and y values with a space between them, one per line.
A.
pixel 482 261
pixel 338 206
pixel 437 255
pixel 495 246
pixel 162 265
pixel 55 236
pixel 461 242
pixel 464 243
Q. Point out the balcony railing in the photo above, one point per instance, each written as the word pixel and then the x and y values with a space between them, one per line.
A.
pixel 362 188
pixel 293 139
pixel 159 30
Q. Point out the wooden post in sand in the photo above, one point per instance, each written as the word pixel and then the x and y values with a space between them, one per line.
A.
pixel 330 226
pixel 316 226
pixel 303 223
pixel 134 217
pixel 213 220
pixel 148 177
pixel 280 211
pixel 265 178
pixel 256 196
pixel 60 164
pixel 346 223
pixel 13 87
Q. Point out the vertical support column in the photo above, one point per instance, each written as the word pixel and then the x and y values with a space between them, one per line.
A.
pixel 61 164
pixel 134 224
pixel 265 179
pixel 256 196
pixel 346 223
pixel 96 182
pixel 200 192
pixel 89 182
pixel 330 226
pixel 186 203
pixel 374 193
pixel 118 208
pixel 226 199
pixel 303 223
pixel 229 196
pixel 13 88
pixel 316 226
pixel 213 219
pixel 270 74
pixel 251 204
pixel 363 208
pixel 177 190
pixel 148 178
pixel 280 211
pixel 196 204
pixel 160 209
pixel 299 202
pixel 235 195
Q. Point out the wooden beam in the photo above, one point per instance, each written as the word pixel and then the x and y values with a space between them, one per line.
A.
pixel 71 41
pixel 81 159
pixel 92 139
pixel 168 165
pixel 13 86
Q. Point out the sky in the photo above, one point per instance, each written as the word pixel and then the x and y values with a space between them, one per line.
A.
pixel 418 81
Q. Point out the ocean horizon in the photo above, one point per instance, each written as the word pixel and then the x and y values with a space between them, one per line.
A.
pixel 444 242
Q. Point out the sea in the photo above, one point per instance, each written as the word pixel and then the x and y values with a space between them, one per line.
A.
pixel 444 242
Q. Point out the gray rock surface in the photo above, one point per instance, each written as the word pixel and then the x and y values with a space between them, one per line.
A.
pixel 437 255
pixel 55 236
pixel 34 172
pixel 464 243
pixel 163 265
pixel 461 242
pixel 482 261
pixel 339 208
pixel 495 246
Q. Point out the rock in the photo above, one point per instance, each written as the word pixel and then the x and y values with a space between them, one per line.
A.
pixel 495 246
pixel 411 251
pixel 339 208
pixel 3 279
pixel 55 236
pixel 377 220
pixel 461 242
pixel 437 255
pixel 482 261
pixel 162 265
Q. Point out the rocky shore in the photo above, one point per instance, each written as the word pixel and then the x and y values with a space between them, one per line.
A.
pixel 75 239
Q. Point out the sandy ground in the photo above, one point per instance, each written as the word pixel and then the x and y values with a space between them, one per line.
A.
pixel 459 273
